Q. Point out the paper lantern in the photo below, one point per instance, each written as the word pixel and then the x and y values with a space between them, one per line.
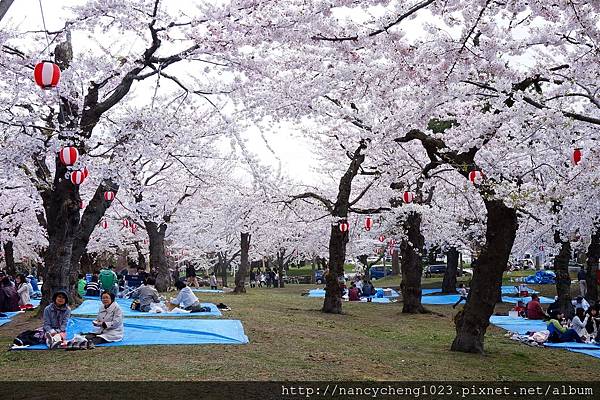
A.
pixel 125 223
pixel 85 172
pixel 381 238
pixel 46 74
pixel 344 226
pixel 77 177
pixel 368 223
pixel 109 196
pixel 476 177
pixel 68 155
pixel 576 157
pixel 408 197
pixel 104 224
pixel 82 204
pixel 391 243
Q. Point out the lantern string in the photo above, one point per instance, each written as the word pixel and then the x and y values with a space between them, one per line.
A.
pixel 44 23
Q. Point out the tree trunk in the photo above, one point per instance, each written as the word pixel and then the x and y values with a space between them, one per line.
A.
pixel 337 253
pixel 313 267
pixel 240 276
pixel 9 258
pixel 280 266
pixel 223 268
pixel 449 282
pixel 563 279
pixel 92 215
pixel 412 265
pixel 473 320
pixel 593 257
pixel 396 263
pixel 62 216
pixel 158 261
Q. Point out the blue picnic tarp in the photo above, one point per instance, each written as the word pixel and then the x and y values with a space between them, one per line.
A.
pixel 440 299
pixel 157 331
pixel 208 290
pixel 593 353
pixel 541 278
pixel 517 324
pixel 8 317
pixel 91 307
pixel 514 300
pixel 506 289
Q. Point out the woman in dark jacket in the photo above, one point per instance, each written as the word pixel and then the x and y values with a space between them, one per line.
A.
pixel 56 316
pixel 9 298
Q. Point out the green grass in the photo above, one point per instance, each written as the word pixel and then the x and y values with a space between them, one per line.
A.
pixel 291 339
pixel 307 270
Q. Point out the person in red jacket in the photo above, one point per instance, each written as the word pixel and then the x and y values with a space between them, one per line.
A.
pixel 353 293
pixel 9 298
pixel 534 308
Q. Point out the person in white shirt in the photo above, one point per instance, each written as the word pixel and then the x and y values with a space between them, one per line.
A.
pixel 213 281
pixel 579 322
pixel 186 299
pixel 580 302
pixel 462 292
pixel 23 289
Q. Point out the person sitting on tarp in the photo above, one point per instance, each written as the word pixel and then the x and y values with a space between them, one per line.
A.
pixel 558 333
pixel 24 290
pixel 580 302
pixel 554 305
pixel 108 325
pixel 593 325
pixel 534 308
pixel 56 315
pixel 368 289
pixel 520 308
pixel 185 299
pixel 81 285
pixel 147 294
pixel 108 279
pixel 92 288
pixel 9 298
pixel 34 283
pixel 579 322
pixel 353 293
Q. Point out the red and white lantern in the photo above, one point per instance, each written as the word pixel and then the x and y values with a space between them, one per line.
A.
pixel 125 223
pixel 145 241
pixel 576 157
pixel 68 155
pixel 408 197
pixel 82 204
pixel 391 243
pixel 85 172
pixel 104 224
pixel 476 177
pixel 77 177
pixel 344 226
pixel 381 238
pixel 46 74
pixel 133 228
pixel 109 196
pixel 368 223
pixel 391 251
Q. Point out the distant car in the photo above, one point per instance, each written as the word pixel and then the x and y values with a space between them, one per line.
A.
pixel 320 276
pixel 377 272
pixel 436 269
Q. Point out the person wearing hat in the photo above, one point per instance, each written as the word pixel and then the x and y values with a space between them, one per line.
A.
pixel 56 316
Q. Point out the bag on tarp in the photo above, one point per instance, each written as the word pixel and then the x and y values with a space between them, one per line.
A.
pixel 30 337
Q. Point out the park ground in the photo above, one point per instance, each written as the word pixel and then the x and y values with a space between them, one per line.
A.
pixel 290 339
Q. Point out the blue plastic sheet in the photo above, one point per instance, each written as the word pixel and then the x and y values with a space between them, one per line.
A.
pixel 541 278
pixel 9 315
pixel 506 289
pixel 593 353
pixel 440 299
pixel 157 331
pixel 573 345
pixel 514 300
pixel 430 291
pixel 91 307
pixel 517 324
pixel 207 290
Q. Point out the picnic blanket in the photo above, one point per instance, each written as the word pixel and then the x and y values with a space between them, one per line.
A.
pixel 514 300
pixel 157 331
pixel 517 324
pixel 91 307
pixel 9 315
pixel 541 278
pixel 208 290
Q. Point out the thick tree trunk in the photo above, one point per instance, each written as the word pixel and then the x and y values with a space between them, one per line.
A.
pixel 593 257
pixel 312 273
pixel 473 320
pixel 223 264
pixel 337 253
pixel 396 263
pixel 240 276
pixel 92 215
pixel 412 265
pixel 449 282
pixel 62 216
pixel 9 258
pixel 563 279
pixel 158 261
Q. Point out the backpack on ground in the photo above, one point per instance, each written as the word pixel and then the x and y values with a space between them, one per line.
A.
pixel 30 337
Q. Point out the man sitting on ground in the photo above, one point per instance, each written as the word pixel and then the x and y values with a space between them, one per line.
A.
pixel 353 293
pixel 534 308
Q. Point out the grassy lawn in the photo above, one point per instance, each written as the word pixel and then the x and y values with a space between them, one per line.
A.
pixel 291 339
pixel 307 270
